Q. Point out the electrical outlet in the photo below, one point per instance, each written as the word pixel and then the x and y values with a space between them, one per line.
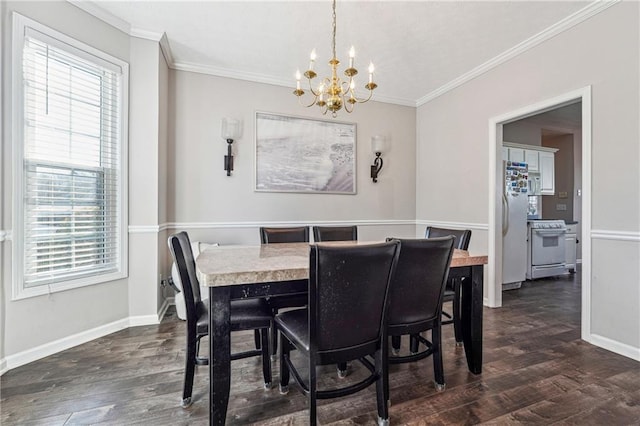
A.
pixel 561 207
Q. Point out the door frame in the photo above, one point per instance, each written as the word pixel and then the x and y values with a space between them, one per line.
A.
pixel 494 289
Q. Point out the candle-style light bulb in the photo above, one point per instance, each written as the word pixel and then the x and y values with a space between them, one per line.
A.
pixel 312 59
pixel 321 90
pixel 298 77
pixel 371 69
pixel 352 54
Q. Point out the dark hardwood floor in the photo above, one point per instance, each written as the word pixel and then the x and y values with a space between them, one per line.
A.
pixel 536 371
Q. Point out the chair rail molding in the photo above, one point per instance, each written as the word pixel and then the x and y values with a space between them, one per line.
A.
pixel 214 225
pixel 602 234
pixel 454 225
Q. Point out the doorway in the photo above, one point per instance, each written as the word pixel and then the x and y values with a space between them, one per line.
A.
pixel 496 136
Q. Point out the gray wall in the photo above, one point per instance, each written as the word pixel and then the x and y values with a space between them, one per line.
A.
pixel 36 321
pixel 563 178
pixel 601 52
pixel 203 197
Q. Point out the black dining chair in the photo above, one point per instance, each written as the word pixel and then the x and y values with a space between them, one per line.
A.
pixel 415 298
pixel 269 235
pixel 346 320
pixel 335 233
pixel 250 314
pixel 452 292
pixel 275 235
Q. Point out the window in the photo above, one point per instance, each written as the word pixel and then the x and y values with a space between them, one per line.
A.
pixel 70 159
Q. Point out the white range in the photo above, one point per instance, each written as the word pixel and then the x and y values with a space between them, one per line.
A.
pixel 546 248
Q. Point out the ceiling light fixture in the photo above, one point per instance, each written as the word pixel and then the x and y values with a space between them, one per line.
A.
pixel 333 93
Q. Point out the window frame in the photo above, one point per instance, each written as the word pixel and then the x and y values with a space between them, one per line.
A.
pixel 21 25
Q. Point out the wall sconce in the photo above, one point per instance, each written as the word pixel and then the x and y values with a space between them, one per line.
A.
pixel 377 146
pixel 230 131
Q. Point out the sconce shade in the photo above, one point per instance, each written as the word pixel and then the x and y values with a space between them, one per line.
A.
pixel 377 144
pixel 230 128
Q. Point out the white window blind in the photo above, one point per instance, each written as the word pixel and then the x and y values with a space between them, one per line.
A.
pixel 72 150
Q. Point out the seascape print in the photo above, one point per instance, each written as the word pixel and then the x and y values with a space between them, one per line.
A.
pixel 304 155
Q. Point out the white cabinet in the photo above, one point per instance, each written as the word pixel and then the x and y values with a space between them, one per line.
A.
pixel 532 159
pixel 540 160
pixel 571 239
pixel 547 173
pixel 516 154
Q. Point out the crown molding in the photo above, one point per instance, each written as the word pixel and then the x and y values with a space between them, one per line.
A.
pixel 572 20
pixel 166 50
pixel 98 12
pixel 262 78
pixel 145 34
pixel 555 29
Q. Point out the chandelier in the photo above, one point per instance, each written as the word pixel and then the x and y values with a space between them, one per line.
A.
pixel 333 93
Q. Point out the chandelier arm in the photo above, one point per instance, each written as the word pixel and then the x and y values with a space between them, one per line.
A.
pixel 363 100
pixel 346 107
pixel 313 101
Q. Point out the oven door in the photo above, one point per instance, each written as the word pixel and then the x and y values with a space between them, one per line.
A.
pixel 547 246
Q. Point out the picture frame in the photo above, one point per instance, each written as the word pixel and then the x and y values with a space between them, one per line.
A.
pixel 304 155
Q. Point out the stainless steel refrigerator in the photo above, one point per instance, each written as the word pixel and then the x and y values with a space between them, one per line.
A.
pixel 515 204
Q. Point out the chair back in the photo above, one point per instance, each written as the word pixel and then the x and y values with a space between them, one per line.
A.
pixel 417 289
pixel 462 236
pixel 348 288
pixel 180 248
pixel 335 233
pixel 284 235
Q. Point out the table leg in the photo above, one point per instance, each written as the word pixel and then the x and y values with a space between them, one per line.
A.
pixel 219 354
pixel 472 298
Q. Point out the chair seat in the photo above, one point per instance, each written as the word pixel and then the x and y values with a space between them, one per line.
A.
pixel 288 301
pixel 245 315
pixel 295 325
pixel 448 295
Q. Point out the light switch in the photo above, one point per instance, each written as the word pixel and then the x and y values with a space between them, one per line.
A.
pixel 562 194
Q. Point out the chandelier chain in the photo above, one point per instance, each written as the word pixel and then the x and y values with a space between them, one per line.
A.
pixel 334 29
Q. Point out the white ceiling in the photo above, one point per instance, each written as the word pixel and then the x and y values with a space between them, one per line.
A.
pixel 418 47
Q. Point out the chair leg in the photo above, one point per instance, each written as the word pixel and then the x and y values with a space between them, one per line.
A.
pixel 284 367
pixel 312 393
pixel 414 344
pixel 382 387
pixel 438 370
pixel 342 370
pixel 257 338
pixel 395 344
pixel 274 338
pixel 200 360
pixel 189 371
pixel 266 357
pixel 457 321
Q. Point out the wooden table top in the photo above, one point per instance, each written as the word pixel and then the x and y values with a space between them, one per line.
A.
pixel 231 265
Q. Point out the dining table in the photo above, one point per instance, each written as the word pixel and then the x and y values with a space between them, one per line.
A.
pixel 252 271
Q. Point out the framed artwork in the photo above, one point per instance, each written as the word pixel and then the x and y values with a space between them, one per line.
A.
pixel 295 154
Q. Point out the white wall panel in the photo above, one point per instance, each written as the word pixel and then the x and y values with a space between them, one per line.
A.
pixel 602 52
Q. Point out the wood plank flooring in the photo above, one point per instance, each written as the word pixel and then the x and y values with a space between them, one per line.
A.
pixel 536 371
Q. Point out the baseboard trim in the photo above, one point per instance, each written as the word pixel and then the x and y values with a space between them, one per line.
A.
pixel 25 357
pixel 615 346
pixel 163 309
